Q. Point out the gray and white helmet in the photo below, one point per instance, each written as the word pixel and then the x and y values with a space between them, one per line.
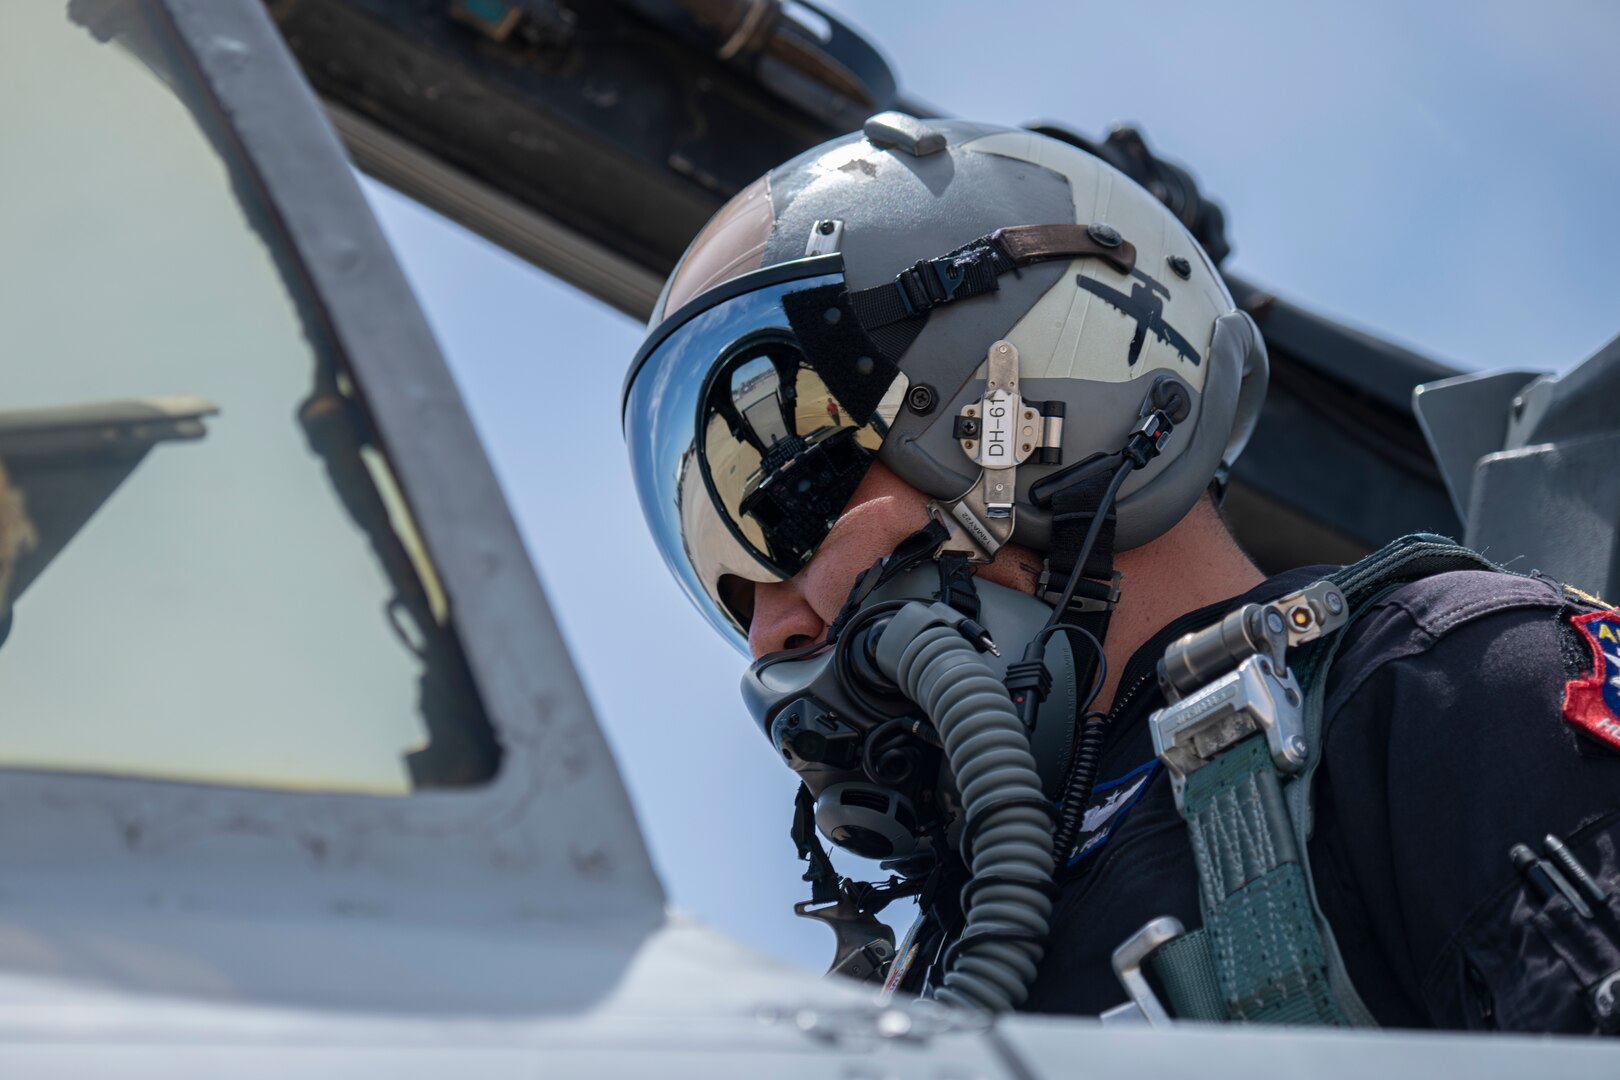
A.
pixel 847 307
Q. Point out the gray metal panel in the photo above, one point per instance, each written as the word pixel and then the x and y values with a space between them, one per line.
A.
pixel 1552 507
pixel 1463 419
pixel 559 788
pixel 551 838
pixel 1210 1052
pixel 466 1001
pixel 1548 497
pixel 1585 400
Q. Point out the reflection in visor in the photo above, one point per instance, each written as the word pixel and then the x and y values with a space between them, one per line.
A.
pixel 780 456
pixel 712 393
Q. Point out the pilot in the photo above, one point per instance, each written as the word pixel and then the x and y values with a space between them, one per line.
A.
pixel 936 420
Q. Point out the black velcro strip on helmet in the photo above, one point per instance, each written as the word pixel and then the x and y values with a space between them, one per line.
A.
pixel 896 338
pixel 886 321
pixel 838 348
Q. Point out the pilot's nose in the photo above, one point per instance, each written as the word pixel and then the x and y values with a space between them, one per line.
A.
pixel 783 619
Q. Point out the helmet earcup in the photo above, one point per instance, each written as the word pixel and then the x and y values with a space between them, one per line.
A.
pixel 1236 331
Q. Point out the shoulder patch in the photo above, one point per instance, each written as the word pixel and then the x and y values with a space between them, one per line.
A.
pixel 1592 702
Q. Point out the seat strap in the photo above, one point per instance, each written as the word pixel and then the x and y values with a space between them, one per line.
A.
pixel 1185 967
pixel 1258 918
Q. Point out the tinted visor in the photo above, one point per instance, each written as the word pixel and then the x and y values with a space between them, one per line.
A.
pixel 742 457
pixel 779 457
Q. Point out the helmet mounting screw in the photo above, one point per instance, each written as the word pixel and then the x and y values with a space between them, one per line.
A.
pixel 921 398
pixel 1179 264
pixel 1104 234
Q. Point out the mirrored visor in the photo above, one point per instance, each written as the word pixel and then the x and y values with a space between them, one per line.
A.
pixel 742 456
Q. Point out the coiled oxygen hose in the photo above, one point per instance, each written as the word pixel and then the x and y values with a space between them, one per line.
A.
pixel 1007 840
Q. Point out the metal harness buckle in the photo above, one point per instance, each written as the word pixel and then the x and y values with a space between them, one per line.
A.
pixel 1105 595
pixel 1144 1005
pixel 1229 681
pixel 1256 697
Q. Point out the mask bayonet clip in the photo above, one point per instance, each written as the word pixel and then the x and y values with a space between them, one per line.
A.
pixel 998 433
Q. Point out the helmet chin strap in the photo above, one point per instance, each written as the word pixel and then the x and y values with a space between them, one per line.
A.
pixel 1088 608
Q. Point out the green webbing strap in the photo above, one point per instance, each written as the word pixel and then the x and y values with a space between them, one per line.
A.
pixel 1185 968
pixel 1266 953
pixel 1301 813
pixel 1258 916
pixel 1400 562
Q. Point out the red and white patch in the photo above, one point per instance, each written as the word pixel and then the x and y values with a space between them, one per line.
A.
pixel 1592 703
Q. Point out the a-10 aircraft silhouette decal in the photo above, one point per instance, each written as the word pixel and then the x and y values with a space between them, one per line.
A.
pixel 1145 304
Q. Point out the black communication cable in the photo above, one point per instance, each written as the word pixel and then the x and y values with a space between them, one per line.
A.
pixel 1082 778
pixel 1082 773
pixel 1090 541
pixel 1143 445
pixel 1028 700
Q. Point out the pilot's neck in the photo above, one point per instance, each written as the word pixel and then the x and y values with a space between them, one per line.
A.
pixel 1195 564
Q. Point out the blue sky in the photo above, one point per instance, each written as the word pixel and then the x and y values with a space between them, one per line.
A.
pixel 1443 174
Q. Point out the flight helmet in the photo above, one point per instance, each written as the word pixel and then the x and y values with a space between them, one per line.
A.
pixel 982 309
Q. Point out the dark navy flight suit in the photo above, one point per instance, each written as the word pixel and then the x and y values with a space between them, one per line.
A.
pixel 1445 744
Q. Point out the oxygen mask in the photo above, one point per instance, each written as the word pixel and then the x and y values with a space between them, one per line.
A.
pixel 872 761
